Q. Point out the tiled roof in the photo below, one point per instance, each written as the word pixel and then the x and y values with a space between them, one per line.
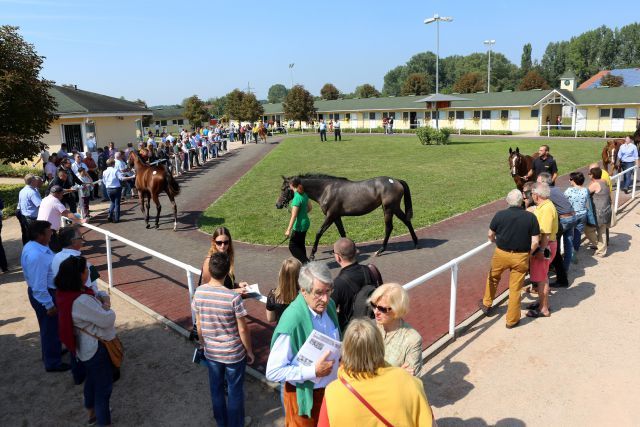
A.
pixel 631 77
pixel 78 101
pixel 593 79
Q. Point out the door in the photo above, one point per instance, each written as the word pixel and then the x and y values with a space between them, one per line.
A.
pixel 354 120
pixel 413 120
pixel 514 120
pixel 372 120
pixel 581 119
pixel 459 119
pixel 73 137
pixel 617 119
pixel 486 120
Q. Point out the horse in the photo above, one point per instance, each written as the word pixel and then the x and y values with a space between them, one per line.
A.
pixel 636 136
pixel 520 165
pixel 150 182
pixel 262 133
pixel 610 154
pixel 340 197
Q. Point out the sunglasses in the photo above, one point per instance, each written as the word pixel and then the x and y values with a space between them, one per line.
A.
pixel 381 309
pixel 221 242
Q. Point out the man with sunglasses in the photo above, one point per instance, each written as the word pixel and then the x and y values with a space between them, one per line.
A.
pixel 313 309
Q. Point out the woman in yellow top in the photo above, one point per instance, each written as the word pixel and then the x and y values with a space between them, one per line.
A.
pixel 365 377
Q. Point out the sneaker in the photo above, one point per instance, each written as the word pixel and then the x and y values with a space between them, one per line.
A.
pixel 574 258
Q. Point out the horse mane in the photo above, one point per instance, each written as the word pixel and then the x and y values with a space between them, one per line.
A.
pixel 321 176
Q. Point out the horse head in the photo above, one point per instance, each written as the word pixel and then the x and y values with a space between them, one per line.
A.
pixel 514 161
pixel 286 193
pixel 131 161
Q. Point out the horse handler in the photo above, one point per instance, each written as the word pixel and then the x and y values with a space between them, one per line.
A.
pixel 515 233
pixel 299 222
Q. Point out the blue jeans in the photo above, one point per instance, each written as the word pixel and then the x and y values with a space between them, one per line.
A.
pixel 103 188
pixel 232 136
pixel 214 149
pixel 628 177
pixel 568 228
pixel 115 194
pixel 581 220
pixel 49 339
pixel 98 385
pixel 229 411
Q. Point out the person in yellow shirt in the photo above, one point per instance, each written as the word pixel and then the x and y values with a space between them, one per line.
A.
pixel 541 258
pixel 605 175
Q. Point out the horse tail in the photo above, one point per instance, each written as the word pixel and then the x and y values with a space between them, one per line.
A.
pixel 173 188
pixel 408 205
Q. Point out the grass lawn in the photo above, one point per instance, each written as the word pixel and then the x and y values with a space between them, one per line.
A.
pixel 9 193
pixel 445 180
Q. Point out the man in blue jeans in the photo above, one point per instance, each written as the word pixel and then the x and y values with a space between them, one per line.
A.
pixel 225 337
pixel 628 157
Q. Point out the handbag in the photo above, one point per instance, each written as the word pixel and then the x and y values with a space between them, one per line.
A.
pixel 382 419
pixel 114 348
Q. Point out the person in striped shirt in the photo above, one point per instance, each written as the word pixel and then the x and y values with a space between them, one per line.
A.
pixel 225 337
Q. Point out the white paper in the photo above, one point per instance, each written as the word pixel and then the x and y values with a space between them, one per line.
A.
pixel 315 346
pixel 253 291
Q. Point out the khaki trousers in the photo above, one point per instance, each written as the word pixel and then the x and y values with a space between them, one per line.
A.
pixel 518 264
pixel 596 235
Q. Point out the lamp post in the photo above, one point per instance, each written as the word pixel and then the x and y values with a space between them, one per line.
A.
pixel 291 69
pixel 489 43
pixel 437 18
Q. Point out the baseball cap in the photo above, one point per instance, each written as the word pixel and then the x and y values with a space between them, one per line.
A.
pixel 55 189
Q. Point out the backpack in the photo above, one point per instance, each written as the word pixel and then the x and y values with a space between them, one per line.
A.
pixel 373 279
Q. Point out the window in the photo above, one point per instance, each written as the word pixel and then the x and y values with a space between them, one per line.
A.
pixel 392 115
pixel 330 116
pixel 460 115
pixel 372 116
pixel 535 113
pixel 618 113
pixel 163 122
pixel 504 114
pixel 486 114
pixel 385 115
pixel 158 122
pixel 320 116
pixel 434 115
pixel 336 116
pixel 347 116
pixel 180 122
pixel 476 114
pixel 605 112
pixel 452 115
pixel 405 116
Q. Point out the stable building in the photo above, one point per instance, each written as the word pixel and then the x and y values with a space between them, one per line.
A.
pixel 169 119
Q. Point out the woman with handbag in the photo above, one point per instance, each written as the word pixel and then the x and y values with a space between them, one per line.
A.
pixel 599 212
pixel 361 394
pixel 87 329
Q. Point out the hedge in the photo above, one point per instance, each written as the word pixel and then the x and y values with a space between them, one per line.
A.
pixel 9 194
pixel 18 171
pixel 585 133
pixel 429 136
pixel 477 132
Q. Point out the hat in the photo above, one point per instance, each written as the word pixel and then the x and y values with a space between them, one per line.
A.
pixel 55 189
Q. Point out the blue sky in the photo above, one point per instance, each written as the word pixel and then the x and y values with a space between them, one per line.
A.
pixel 164 51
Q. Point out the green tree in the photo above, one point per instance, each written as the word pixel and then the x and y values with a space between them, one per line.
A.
pixel 525 59
pixel 554 62
pixel 251 108
pixel 533 80
pixel 233 106
pixel 470 83
pixel 367 91
pixel 416 84
pixel 26 106
pixel 277 93
pixel 329 92
pixel 146 120
pixel 628 54
pixel 612 81
pixel 217 106
pixel 298 104
pixel 393 81
pixel 194 111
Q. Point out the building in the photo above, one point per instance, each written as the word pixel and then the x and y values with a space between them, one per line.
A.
pixel 168 119
pixel 630 78
pixel 602 109
pixel 81 114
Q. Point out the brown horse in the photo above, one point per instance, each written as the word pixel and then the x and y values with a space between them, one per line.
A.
pixel 262 133
pixel 150 182
pixel 520 165
pixel 610 154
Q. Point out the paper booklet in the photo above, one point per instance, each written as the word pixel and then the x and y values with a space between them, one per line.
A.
pixel 253 291
pixel 315 346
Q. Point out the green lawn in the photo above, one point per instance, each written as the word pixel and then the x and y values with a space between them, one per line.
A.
pixel 445 180
pixel 9 193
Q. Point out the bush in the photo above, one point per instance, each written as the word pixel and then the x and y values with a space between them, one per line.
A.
pixel 429 136
pixel 18 171
pixel 484 132
pixel 9 193
pixel 584 133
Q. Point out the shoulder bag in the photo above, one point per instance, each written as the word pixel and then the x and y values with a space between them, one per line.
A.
pixel 362 400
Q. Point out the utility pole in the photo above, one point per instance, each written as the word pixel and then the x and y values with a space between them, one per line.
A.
pixel 489 43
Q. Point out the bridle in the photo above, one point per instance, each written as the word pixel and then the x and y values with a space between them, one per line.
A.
pixel 515 160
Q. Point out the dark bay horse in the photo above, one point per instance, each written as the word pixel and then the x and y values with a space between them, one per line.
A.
pixel 610 154
pixel 520 165
pixel 340 197
pixel 150 182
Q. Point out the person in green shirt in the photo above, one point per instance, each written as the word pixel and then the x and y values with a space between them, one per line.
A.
pixel 299 222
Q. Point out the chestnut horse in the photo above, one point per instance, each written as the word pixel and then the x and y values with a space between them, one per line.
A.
pixel 520 165
pixel 610 155
pixel 262 133
pixel 150 182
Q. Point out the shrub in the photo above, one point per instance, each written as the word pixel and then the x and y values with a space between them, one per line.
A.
pixel 484 132
pixel 10 197
pixel 428 136
pixel 584 133
pixel 18 171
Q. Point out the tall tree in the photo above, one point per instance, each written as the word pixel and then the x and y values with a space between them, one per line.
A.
pixel 470 83
pixel 194 111
pixel 277 93
pixel 525 59
pixel 217 106
pixel 233 107
pixel 533 80
pixel 366 91
pixel 298 104
pixel 26 106
pixel 393 81
pixel 329 92
pixel 612 81
pixel 251 108
pixel 554 62
pixel 628 46
pixel 416 84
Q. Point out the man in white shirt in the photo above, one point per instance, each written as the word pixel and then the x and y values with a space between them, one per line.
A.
pixel 323 130
pixel 52 210
pixel 78 164
pixel 92 145
pixel 313 309
pixel 336 130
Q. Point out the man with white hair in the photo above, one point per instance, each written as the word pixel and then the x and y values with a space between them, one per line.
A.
pixel 313 309
pixel 515 233
pixel 29 201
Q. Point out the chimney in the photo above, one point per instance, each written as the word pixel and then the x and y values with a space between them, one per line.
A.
pixel 75 87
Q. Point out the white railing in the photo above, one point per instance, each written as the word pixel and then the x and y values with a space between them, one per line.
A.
pixel 618 177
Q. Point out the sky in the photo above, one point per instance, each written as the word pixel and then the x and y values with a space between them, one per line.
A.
pixel 164 51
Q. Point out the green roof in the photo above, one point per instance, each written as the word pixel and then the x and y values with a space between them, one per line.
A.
pixel 77 101
pixel 607 95
pixel 167 112
pixel 501 99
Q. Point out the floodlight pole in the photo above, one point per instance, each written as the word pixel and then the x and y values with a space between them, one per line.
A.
pixel 291 69
pixel 489 43
pixel 437 18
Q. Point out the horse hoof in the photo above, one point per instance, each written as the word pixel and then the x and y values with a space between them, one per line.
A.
pixel 148 226
pixel 379 251
pixel 312 258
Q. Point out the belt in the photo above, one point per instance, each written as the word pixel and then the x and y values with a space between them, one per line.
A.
pixel 567 215
pixel 514 252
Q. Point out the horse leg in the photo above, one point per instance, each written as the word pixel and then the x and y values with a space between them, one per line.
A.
pixel 175 213
pixel 156 201
pixel 326 224
pixel 147 208
pixel 388 227
pixel 340 227
pixel 403 217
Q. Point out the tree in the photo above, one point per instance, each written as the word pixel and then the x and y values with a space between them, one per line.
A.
pixel 393 81
pixel 217 106
pixel 233 107
pixel 525 59
pixel 469 83
pixel 146 120
pixel 298 104
pixel 416 84
pixel 277 93
pixel 533 80
pixel 329 92
pixel 612 81
pixel 628 54
pixel 367 91
pixel 26 106
pixel 194 111
pixel 251 108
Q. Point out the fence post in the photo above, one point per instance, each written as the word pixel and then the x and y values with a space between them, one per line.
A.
pixel 109 261
pixel 452 304
pixel 635 177
pixel 191 292
pixel 617 198
pixel 605 134
pixel 548 131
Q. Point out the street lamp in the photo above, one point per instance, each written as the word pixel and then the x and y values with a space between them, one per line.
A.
pixel 291 69
pixel 437 18
pixel 489 43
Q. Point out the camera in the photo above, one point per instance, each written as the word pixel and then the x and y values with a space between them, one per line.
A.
pixel 546 253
